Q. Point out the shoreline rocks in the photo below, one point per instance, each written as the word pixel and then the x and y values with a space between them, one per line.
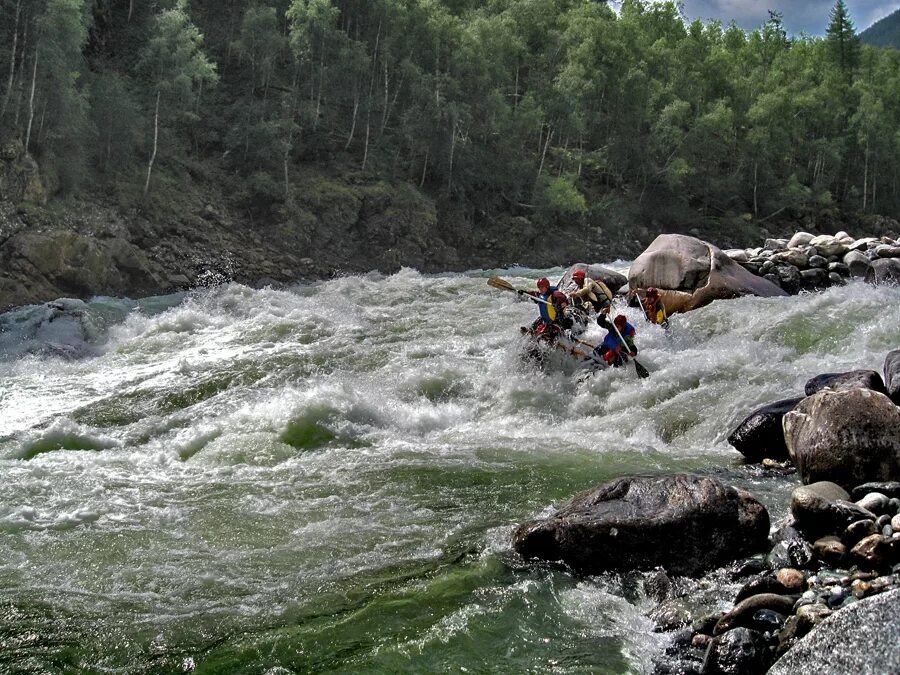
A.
pixel 809 262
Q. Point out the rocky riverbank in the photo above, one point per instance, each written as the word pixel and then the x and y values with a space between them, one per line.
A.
pixel 839 546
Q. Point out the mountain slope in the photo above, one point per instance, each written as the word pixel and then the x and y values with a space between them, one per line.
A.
pixel 884 33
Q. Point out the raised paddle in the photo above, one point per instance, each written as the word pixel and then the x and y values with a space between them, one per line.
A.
pixel 638 368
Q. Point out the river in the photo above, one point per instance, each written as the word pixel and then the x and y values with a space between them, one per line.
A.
pixel 324 478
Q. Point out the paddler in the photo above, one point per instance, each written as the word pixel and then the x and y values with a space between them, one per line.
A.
pixel 591 293
pixel 654 308
pixel 552 305
pixel 618 344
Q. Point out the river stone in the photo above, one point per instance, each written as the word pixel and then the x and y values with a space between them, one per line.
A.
pixel 892 375
pixel 793 257
pixel 887 270
pixel 742 613
pixel 818 261
pixel 793 581
pixel 800 239
pixel 848 437
pixel 761 434
pixel 814 277
pixel 827 245
pixel 739 652
pixel 873 552
pixel 890 489
pixel 830 549
pixel 739 255
pixel 687 264
pixel 761 583
pixel 684 523
pixel 860 639
pixel 875 502
pixel 887 251
pixel 854 379
pixel 839 268
pixel 858 264
pixel 858 530
pixel 775 244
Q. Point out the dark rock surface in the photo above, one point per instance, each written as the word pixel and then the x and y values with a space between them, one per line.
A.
pixel 892 375
pixel 854 379
pixel 684 523
pixel 761 434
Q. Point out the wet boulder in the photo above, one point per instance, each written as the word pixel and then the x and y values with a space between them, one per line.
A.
pixel 887 270
pixel 858 264
pixel 761 435
pixel 892 375
pixel 681 263
pixel 848 437
pixel 824 508
pixel 684 523
pixel 741 651
pixel 854 379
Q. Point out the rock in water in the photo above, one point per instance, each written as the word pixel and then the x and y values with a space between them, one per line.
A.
pixel 847 437
pixel 854 379
pixel 679 262
pixel 862 638
pixel 684 523
pixel 892 375
pixel 761 435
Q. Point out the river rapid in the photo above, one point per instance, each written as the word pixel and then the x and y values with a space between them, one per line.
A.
pixel 325 478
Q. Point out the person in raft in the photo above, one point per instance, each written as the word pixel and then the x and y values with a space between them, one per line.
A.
pixel 552 307
pixel 591 293
pixel 613 350
pixel 654 308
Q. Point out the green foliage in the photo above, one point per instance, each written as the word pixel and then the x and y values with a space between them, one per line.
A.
pixel 494 106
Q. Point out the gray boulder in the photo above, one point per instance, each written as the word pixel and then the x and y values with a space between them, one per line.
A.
pixel 854 379
pixel 761 435
pixel 892 375
pixel 860 639
pixel 684 523
pixel 699 269
pixel 887 270
pixel 858 264
pixel 848 437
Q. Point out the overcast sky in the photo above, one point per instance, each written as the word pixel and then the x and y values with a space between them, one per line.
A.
pixel 810 16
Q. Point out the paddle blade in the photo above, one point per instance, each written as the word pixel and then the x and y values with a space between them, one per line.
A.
pixel 640 370
pixel 502 284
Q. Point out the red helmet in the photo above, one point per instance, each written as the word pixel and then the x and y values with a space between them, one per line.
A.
pixel 543 282
pixel 652 291
pixel 578 274
pixel 559 296
pixel 620 321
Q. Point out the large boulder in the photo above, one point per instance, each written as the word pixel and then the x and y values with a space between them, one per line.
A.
pixel 684 523
pixel 847 437
pixel 887 270
pixel 892 375
pixel 859 265
pixel 761 435
pixel 854 379
pixel 862 638
pixel 680 263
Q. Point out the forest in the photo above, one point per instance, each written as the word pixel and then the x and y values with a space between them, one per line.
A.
pixel 556 110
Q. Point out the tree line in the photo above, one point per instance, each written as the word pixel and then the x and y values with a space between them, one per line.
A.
pixel 546 106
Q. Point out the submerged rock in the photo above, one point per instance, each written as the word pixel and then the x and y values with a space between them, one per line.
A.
pixel 684 523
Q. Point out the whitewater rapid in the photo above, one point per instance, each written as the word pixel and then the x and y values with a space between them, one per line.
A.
pixel 325 477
